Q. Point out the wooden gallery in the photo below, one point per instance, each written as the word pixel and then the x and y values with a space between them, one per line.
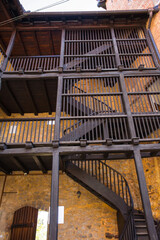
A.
pixel 79 125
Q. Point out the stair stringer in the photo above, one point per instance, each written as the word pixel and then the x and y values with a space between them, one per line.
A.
pixel 97 188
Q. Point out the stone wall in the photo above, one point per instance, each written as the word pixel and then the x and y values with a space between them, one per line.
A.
pixel 128 4
pixel 155 29
pixel 86 217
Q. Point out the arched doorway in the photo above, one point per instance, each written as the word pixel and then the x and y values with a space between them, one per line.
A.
pixel 24 224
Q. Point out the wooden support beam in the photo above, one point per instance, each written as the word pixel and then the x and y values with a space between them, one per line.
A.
pixel 16 161
pixel 9 50
pixel 30 96
pixel 39 163
pixel 53 230
pixel 144 195
pixel 5 83
pixel 48 150
pixel 46 97
pixel 62 49
pixel 58 109
pixel 151 48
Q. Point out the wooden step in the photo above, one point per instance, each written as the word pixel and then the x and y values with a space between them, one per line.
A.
pixel 145 237
pixel 138 215
pixel 141 229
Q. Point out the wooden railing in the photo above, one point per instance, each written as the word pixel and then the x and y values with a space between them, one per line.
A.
pixel 24 63
pixel 37 130
pixel 129 232
pixel 107 176
pixel 113 180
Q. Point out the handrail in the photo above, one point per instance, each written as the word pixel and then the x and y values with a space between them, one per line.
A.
pixel 108 176
pixel 33 63
pixel 129 232
pixel 26 119
pixel 115 181
pixel 40 56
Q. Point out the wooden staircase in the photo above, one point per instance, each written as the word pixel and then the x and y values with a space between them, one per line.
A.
pixel 140 225
pixel 110 186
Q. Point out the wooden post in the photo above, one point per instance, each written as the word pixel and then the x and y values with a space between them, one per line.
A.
pixel 62 49
pixel 139 167
pixel 144 195
pixel 53 230
pixel 8 53
pixel 9 50
pixel 58 109
pixel 151 48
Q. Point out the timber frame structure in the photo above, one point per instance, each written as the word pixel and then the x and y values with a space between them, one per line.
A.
pixel 100 73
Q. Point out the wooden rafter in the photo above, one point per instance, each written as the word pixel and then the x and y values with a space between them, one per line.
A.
pixel 51 42
pixel 30 96
pixel 21 40
pixel 39 163
pixel 36 42
pixel 4 108
pixel 13 97
pixel 46 97
pixel 16 161
pixel 6 13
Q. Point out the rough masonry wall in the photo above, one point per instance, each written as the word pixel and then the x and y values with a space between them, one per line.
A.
pixel 152 174
pixel 129 4
pixel 155 29
pixel 86 217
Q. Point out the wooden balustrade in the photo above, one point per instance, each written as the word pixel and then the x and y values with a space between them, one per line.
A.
pixel 24 63
pixel 36 130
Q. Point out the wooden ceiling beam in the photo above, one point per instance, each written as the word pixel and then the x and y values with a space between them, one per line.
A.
pixel 51 42
pixel 39 164
pixel 4 108
pixel 46 97
pixel 16 161
pixel 30 96
pixel 6 13
pixel 2 43
pixel 4 169
pixel 21 40
pixel 37 43
pixel 13 97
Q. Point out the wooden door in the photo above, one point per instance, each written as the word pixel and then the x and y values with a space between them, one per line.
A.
pixel 24 224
